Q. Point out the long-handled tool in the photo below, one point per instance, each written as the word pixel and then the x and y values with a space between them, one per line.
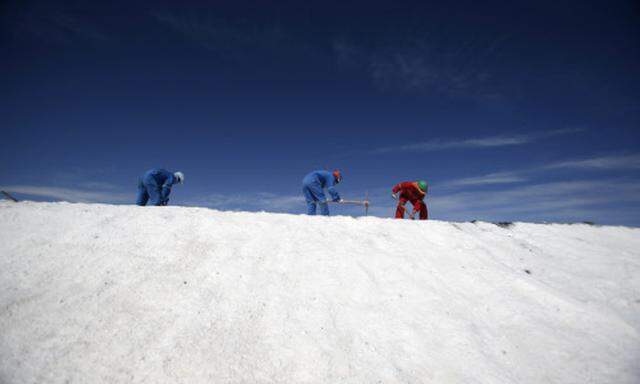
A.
pixel 364 203
pixel 8 196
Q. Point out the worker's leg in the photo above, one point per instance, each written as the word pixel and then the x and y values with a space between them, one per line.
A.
pixel 324 208
pixel 400 208
pixel 154 191
pixel 154 195
pixel 317 194
pixel 424 212
pixel 311 208
pixel 310 199
pixel 143 196
pixel 420 206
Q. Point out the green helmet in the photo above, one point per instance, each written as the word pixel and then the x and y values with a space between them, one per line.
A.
pixel 423 186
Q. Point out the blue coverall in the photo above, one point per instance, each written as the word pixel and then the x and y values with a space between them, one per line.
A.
pixel 155 185
pixel 313 186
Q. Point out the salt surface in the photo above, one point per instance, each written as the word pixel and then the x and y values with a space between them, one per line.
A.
pixel 125 294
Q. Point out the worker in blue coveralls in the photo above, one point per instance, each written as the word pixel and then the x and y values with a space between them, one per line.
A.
pixel 155 186
pixel 313 186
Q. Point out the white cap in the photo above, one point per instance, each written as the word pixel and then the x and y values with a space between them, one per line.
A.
pixel 179 176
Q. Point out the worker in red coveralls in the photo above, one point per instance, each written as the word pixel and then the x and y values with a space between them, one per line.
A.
pixel 413 192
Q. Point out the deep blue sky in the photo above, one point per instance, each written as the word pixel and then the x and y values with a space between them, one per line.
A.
pixel 511 110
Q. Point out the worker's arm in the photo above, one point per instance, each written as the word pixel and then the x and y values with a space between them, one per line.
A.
pixel 166 188
pixel 398 188
pixel 335 196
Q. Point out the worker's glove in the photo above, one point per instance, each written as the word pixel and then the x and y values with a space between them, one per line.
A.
pixel 337 200
pixel 394 196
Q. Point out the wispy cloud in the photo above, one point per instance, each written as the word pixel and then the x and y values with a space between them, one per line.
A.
pixel 484 142
pixel 540 200
pixel 428 63
pixel 71 194
pixel 603 162
pixel 618 162
pixel 488 179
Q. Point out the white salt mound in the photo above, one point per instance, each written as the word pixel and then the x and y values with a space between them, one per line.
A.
pixel 123 294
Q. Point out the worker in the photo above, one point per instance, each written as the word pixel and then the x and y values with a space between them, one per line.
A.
pixel 413 192
pixel 313 186
pixel 155 186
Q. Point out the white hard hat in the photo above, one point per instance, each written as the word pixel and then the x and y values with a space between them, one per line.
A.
pixel 179 176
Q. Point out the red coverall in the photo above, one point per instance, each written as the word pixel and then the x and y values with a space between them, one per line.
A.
pixel 409 191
